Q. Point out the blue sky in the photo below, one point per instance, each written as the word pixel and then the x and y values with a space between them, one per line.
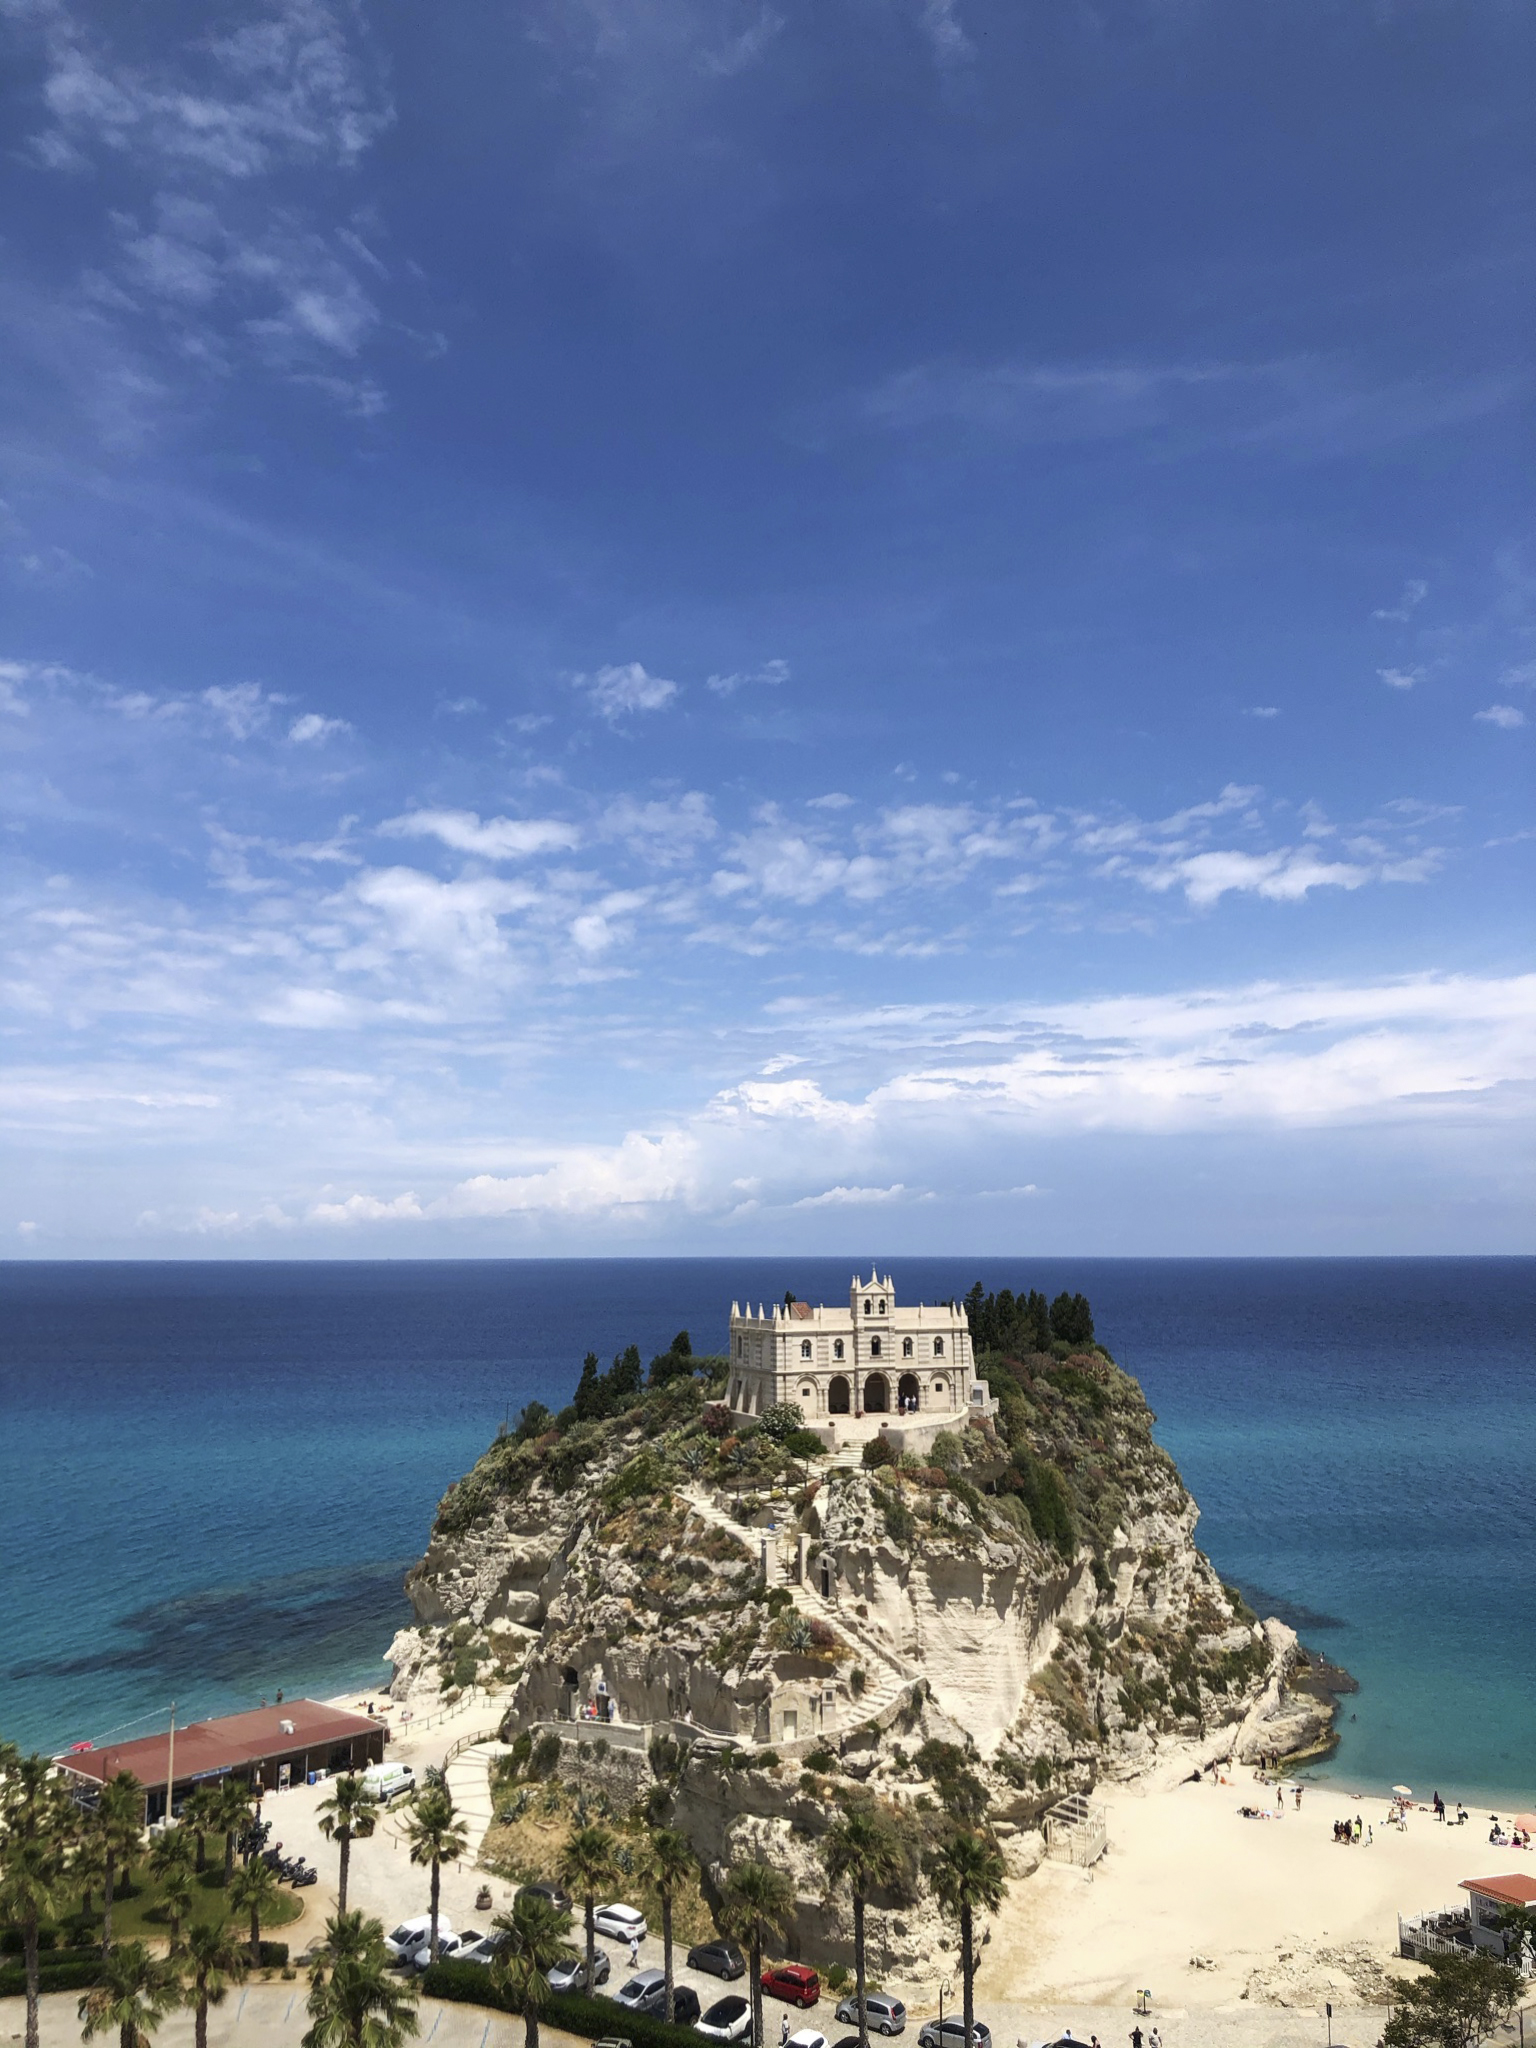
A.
pixel 728 625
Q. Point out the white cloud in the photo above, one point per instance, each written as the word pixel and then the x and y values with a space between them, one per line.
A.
pixel 1506 716
pixel 311 729
pixel 244 709
pixel 368 1209
pixel 844 1198
pixel 492 838
pixel 771 672
pixel 666 834
pixel 1262 711
pixel 1283 876
pixel 1401 678
pixel 626 687
pixel 941 24
pixel 1415 590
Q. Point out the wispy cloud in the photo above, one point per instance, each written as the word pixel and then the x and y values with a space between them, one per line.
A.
pixel 1506 716
pixel 310 729
pixel 492 838
pixel 1401 678
pixel 1415 590
pixel 771 673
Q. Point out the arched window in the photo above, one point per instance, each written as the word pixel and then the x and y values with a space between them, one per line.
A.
pixel 837 1347
pixel 866 1308
pixel 880 1308
pixel 805 1347
pixel 938 1347
pixel 906 1347
pixel 874 1347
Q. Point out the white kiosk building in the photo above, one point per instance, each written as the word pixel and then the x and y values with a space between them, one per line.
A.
pixel 853 1370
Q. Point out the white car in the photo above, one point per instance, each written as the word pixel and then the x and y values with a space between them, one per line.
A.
pixel 726 2020
pixel 807 2038
pixel 450 1947
pixel 622 1923
pixel 412 1935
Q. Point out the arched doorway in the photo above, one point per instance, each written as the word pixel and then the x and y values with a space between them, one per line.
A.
pixel 837 1396
pixel 826 1578
pixel 906 1393
pixel 877 1394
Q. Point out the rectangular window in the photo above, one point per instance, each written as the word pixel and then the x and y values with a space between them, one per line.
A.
pixel 791 1727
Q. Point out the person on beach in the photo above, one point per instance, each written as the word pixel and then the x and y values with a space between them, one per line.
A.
pixel 1298 1799
pixel 1154 2039
pixel 1137 2038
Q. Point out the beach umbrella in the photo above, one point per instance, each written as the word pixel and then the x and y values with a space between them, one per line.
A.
pixel 1403 1791
pixel 1526 1823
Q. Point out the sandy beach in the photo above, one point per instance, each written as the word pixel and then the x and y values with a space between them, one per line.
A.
pixel 1275 1911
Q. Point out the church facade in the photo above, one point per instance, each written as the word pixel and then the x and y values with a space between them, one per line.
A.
pixel 876 1357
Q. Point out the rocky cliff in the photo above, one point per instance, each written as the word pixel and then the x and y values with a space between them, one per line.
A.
pixel 965 1639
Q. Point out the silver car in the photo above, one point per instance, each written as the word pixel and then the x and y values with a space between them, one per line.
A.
pixel 884 2015
pixel 571 1975
pixel 638 1991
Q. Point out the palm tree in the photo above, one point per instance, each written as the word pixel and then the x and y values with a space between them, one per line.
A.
pixel 757 1901
pixel 355 2000
pixel 967 1873
pixel 31 1888
pixel 36 1824
pixel 252 1889
pixel 118 1825
pixel 536 1930
pixel 232 1809
pixel 178 1889
pixel 348 1815
pixel 672 1863
pixel 136 1992
pixel 211 1962
pixel 436 1836
pixel 200 1814
pixel 860 1850
pixel 589 1864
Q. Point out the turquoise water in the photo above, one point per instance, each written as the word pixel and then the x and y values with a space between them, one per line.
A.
pixel 218 1473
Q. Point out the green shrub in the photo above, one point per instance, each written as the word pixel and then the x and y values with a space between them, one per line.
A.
pixel 900 1522
pixel 642 1478
pixel 590 2019
pixel 877 1452
pixel 804 1443
pixel 947 1452
pixel 544 1759
pixel 74 1973
pixel 274 1955
pixel 781 1420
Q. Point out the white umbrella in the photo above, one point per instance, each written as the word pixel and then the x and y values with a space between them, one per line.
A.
pixel 1403 1791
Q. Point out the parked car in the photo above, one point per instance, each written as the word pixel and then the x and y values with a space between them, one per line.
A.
pixel 847 2041
pixel 685 2005
pixel 638 1990
pixel 728 2019
pixel 450 1947
pixel 951 2033
pixel 718 1959
pixel 558 1899
pixel 571 1975
pixel 624 1923
pixel 484 1951
pixel 795 1983
pixel 411 1935
pixel 882 2015
pixel 807 2038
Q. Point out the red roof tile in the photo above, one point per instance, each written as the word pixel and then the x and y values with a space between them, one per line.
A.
pixel 204 1749
pixel 1515 1890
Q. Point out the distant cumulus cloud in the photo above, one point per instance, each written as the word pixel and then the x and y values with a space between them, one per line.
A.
pixel 244 709
pixel 1506 716
pixel 311 729
pixel 625 687
pixel 1401 678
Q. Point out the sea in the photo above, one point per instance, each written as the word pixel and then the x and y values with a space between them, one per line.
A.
pixel 217 1474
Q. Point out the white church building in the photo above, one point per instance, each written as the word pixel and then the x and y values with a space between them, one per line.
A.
pixel 876 1363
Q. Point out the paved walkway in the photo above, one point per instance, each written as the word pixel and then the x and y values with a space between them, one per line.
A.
pixel 469 1781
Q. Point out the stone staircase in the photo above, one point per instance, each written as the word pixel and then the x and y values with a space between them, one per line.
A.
pixel 469 1781
pixel 886 1674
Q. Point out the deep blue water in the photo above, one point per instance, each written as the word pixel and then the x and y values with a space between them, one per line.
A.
pixel 217 1473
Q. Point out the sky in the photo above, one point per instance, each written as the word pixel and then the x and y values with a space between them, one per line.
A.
pixel 736 625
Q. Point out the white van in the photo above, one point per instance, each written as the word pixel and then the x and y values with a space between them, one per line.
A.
pixel 389 1782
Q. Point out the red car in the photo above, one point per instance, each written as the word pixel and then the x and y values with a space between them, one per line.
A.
pixel 795 1983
